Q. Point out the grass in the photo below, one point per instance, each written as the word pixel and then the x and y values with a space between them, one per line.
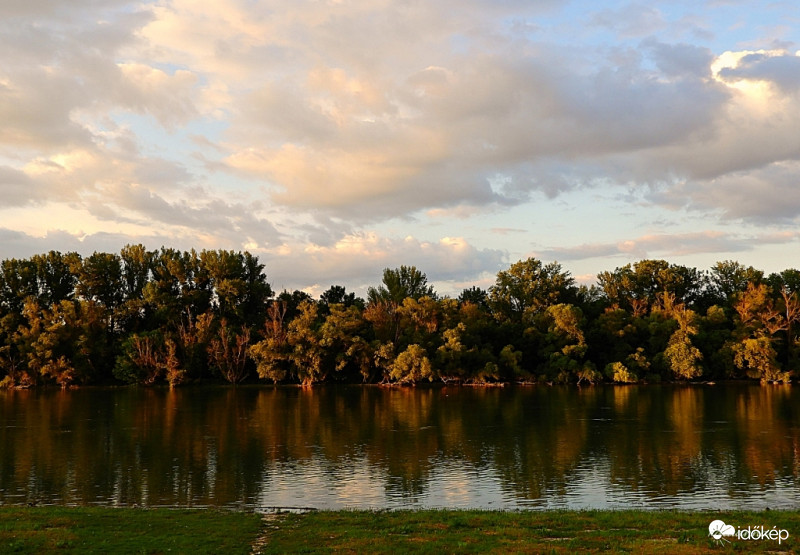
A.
pixel 111 530
pixel 522 532
pixel 94 530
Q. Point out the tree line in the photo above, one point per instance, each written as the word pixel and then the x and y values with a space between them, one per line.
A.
pixel 168 316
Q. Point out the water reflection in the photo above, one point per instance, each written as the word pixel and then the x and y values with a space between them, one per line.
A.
pixel 732 446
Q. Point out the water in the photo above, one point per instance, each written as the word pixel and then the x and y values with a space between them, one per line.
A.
pixel 652 447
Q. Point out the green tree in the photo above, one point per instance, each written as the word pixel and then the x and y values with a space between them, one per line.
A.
pixel 291 301
pixel 727 279
pixel 137 265
pixel 55 278
pixel 467 351
pixel 636 288
pixel 336 294
pixel 343 336
pixel 179 286
pixel 412 366
pixel 756 356
pixel 239 285
pixel 753 344
pixel 564 345
pixel 142 360
pixel 400 283
pixel 307 354
pixel 682 357
pixel 619 373
pixel 18 282
pixel 475 295
pixel 527 288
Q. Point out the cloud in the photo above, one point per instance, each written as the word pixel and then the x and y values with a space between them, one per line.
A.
pixel 680 60
pixel 57 65
pixel 426 117
pixel 16 188
pixel 167 97
pixel 632 20
pixel 17 244
pixel 437 137
pixel 357 256
pixel 668 245
pixel 305 124
pixel 780 68
pixel 765 195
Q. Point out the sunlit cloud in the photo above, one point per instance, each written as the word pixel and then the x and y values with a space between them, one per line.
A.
pixel 321 134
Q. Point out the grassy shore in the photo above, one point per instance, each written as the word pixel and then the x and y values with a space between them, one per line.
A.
pixel 117 531
pixel 95 530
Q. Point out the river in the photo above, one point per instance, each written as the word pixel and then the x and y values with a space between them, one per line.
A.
pixel 719 446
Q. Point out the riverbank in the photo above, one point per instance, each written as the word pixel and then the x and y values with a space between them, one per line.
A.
pixel 128 530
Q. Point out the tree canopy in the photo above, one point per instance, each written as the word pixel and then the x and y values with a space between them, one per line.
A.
pixel 173 317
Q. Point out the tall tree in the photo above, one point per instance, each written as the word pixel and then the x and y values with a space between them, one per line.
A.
pixel 637 288
pixel 399 284
pixel 336 294
pixel 727 279
pixel 528 287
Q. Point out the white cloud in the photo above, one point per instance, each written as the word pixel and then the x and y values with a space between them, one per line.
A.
pixel 358 260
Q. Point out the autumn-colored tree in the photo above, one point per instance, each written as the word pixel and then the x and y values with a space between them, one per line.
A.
pixel 682 357
pixel 412 366
pixel 227 351
pixel 753 345
pixel 142 358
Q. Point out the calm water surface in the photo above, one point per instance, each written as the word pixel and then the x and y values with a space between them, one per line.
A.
pixel 653 447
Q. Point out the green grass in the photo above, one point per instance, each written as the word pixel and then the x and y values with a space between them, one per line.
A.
pixel 94 530
pixel 520 532
pixel 110 530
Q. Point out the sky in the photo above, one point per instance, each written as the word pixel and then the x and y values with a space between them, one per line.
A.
pixel 335 138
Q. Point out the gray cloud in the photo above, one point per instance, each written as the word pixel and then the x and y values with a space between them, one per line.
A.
pixel 16 244
pixel 656 245
pixel 234 222
pixel 765 195
pixel 17 189
pixel 680 60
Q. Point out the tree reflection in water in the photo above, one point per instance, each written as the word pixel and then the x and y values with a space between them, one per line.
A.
pixel 349 446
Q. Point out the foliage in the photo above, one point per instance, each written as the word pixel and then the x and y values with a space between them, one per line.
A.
pixel 619 373
pixel 529 287
pixel 166 316
pixel 227 351
pixel 400 284
pixel 411 366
